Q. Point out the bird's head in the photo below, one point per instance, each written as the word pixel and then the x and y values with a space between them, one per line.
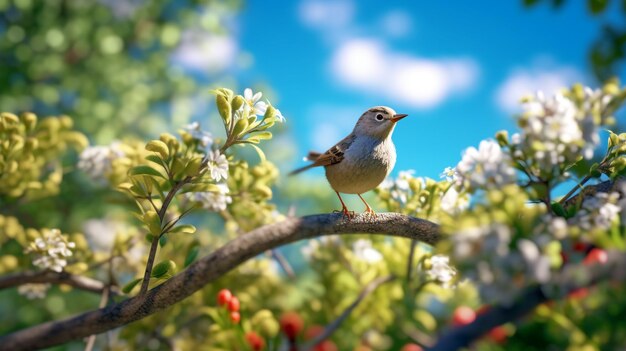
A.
pixel 378 122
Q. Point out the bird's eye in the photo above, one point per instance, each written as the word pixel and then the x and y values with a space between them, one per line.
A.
pixel 379 117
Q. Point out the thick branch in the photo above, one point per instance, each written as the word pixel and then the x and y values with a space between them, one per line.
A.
pixel 572 278
pixel 212 267
pixel 77 281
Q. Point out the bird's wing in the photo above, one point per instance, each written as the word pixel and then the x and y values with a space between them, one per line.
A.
pixel 335 154
pixel 332 156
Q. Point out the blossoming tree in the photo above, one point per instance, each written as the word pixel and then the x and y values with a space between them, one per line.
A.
pixel 499 253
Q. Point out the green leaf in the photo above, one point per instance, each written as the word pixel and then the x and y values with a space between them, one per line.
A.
pixel 263 135
pixel 558 209
pixel 240 127
pixel 156 159
pixel 163 269
pixel 163 240
pixel 145 170
pixel 192 253
pixel 129 287
pixel 183 229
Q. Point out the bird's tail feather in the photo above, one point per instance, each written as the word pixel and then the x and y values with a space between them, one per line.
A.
pixel 299 170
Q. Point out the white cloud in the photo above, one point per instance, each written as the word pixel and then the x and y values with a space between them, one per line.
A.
pixel 366 64
pixel 396 23
pixel 203 50
pixel 326 14
pixel 525 81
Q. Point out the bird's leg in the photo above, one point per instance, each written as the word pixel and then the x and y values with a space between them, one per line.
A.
pixel 368 209
pixel 344 208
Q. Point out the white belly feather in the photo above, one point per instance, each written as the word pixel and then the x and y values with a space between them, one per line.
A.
pixel 365 165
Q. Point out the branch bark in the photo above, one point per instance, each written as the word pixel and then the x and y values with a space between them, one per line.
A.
pixel 212 267
pixel 572 278
pixel 76 281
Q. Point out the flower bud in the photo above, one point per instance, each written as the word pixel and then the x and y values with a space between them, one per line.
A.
pixel 237 102
pixel 502 137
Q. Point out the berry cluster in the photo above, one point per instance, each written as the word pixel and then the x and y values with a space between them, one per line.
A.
pixel 226 299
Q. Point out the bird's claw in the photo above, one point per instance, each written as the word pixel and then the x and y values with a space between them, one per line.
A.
pixel 370 213
pixel 345 213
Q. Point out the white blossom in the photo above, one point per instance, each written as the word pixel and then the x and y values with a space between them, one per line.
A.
pixel 97 161
pixel 210 200
pixel 450 174
pixel 51 250
pixel 33 291
pixel 203 137
pixel 452 203
pixel 485 167
pixel 217 165
pixel 598 212
pixel 363 250
pixel 440 269
pixel 399 189
pixel 254 103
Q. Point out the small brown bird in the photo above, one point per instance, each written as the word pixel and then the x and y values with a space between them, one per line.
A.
pixel 362 160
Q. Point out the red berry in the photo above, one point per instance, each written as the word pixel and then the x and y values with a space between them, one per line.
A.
pixel 313 331
pixel 223 296
pixel 411 347
pixel 291 324
pixel 326 345
pixel 463 315
pixel 235 317
pixel 498 335
pixel 579 293
pixel 233 304
pixel 596 256
pixel 255 341
pixel 579 246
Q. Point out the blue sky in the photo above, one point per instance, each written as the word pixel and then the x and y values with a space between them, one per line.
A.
pixel 457 70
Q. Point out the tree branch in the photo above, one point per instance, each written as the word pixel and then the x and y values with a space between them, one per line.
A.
pixel 155 241
pixel 572 278
pixel 212 267
pixel 76 281
pixel 334 325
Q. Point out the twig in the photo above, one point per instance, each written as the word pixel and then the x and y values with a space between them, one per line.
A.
pixel 578 186
pixel 50 277
pixel 283 263
pixel 409 265
pixel 155 241
pixel 212 267
pixel 334 325
pixel 103 302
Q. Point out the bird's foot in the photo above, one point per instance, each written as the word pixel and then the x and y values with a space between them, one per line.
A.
pixel 346 214
pixel 370 213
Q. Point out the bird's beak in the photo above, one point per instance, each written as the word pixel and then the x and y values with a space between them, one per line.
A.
pixel 398 117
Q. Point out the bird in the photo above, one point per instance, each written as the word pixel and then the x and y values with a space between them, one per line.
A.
pixel 363 159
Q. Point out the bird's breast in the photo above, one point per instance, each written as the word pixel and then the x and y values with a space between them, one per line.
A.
pixel 365 165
